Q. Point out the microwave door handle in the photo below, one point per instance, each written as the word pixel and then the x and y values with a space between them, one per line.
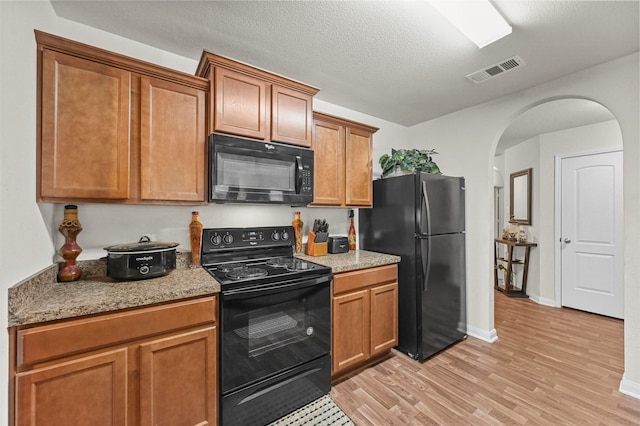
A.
pixel 299 171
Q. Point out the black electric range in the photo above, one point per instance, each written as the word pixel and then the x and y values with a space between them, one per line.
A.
pixel 275 323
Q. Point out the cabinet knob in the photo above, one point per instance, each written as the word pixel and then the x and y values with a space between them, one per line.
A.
pixel 566 240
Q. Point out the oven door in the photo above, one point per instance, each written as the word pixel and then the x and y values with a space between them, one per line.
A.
pixel 243 170
pixel 272 328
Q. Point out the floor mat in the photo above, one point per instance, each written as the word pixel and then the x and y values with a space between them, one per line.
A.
pixel 323 411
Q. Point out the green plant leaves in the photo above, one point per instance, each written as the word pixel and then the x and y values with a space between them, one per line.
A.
pixel 415 160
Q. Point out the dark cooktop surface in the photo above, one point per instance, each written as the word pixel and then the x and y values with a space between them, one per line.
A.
pixel 254 255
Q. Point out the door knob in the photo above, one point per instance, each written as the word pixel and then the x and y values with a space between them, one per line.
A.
pixel 567 240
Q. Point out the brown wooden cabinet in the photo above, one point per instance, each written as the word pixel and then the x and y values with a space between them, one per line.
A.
pixel 365 317
pixel 343 162
pixel 85 134
pixel 148 366
pixel 250 102
pixel 172 142
pixel 115 129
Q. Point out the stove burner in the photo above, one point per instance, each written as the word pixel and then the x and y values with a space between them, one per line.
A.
pixel 290 263
pixel 280 262
pixel 228 267
pixel 243 273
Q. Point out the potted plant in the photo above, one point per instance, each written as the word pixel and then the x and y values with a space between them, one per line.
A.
pixel 409 160
pixel 507 280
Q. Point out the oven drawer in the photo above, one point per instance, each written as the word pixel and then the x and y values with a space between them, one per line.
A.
pixel 52 341
pixel 270 399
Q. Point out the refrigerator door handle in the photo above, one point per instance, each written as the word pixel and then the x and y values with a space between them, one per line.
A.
pixel 426 264
pixel 427 210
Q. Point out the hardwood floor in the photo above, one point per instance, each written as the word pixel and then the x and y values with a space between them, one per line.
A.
pixel 550 366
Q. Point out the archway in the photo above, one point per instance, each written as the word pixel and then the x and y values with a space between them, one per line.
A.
pixel 533 139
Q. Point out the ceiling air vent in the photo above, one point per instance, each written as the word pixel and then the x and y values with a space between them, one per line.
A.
pixel 496 69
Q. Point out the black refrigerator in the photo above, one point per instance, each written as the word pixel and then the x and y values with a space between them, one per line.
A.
pixel 420 217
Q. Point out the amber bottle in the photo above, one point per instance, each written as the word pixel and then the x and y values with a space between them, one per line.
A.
pixel 195 237
pixel 297 230
pixel 352 232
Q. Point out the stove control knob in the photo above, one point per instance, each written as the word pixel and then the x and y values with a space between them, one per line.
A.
pixel 275 236
pixel 285 235
pixel 216 240
pixel 228 239
pixel 144 269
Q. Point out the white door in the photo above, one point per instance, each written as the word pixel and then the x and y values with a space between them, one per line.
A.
pixel 591 233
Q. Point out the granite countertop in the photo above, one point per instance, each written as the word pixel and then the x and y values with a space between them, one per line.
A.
pixel 352 260
pixel 40 298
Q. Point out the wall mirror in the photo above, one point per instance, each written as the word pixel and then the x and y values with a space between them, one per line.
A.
pixel 520 203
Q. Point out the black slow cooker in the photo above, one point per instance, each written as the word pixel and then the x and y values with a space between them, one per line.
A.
pixel 137 261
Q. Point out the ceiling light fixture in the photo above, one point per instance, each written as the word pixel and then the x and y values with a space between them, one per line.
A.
pixel 477 19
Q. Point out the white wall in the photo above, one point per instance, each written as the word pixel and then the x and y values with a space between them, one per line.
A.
pixel 521 157
pixel 467 140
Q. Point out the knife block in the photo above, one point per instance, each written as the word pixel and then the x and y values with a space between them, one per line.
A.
pixel 313 248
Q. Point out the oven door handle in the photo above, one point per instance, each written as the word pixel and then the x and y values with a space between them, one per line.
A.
pixel 270 288
pixel 299 170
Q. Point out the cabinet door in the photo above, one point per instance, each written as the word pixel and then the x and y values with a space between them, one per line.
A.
pixel 328 148
pixel 351 340
pixel 178 380
pixel 291 116
pixel 84 141
pixel 358 172
pixel 240 104
pixel 384 318
pixel 172 141
pixel 86 391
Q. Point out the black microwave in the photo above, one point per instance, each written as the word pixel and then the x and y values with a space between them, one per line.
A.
pixel 250 171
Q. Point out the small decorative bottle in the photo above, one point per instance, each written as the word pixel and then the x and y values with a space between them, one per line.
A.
pixel 297 230
pixel 70 227
pixel 195 237
pixel 352 232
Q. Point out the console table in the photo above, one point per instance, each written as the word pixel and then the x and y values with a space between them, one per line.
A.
pixel 509 288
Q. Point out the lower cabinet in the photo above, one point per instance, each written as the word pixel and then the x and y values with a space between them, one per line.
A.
pixel 91 390
pixel 148 366
pixel 365 317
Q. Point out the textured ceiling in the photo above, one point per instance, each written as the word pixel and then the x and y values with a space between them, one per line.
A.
pixel 396 60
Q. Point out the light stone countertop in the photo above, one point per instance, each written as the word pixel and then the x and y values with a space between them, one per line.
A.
pixel 40 298
pixel 352 260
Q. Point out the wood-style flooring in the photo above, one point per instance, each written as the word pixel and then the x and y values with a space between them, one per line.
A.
pixel 550 366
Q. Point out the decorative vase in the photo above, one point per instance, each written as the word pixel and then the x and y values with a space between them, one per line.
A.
pixel 522 236
pixel 297 230
pixel 195 237
pixel 70 227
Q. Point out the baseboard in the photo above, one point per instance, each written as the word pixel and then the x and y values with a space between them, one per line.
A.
pixel 478 333
pixel 630 388
pixel 543 301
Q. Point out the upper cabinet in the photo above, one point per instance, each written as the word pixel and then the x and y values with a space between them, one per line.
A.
pixel 250 102
pixel 343 162
pixel 115 129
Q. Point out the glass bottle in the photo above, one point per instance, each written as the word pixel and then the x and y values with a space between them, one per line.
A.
pixel 195 237
pixel 70 227
pixel 297 230
pixel 352 232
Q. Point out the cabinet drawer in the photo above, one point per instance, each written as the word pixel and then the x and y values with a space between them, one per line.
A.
pixel 362 278
pixel 47 342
